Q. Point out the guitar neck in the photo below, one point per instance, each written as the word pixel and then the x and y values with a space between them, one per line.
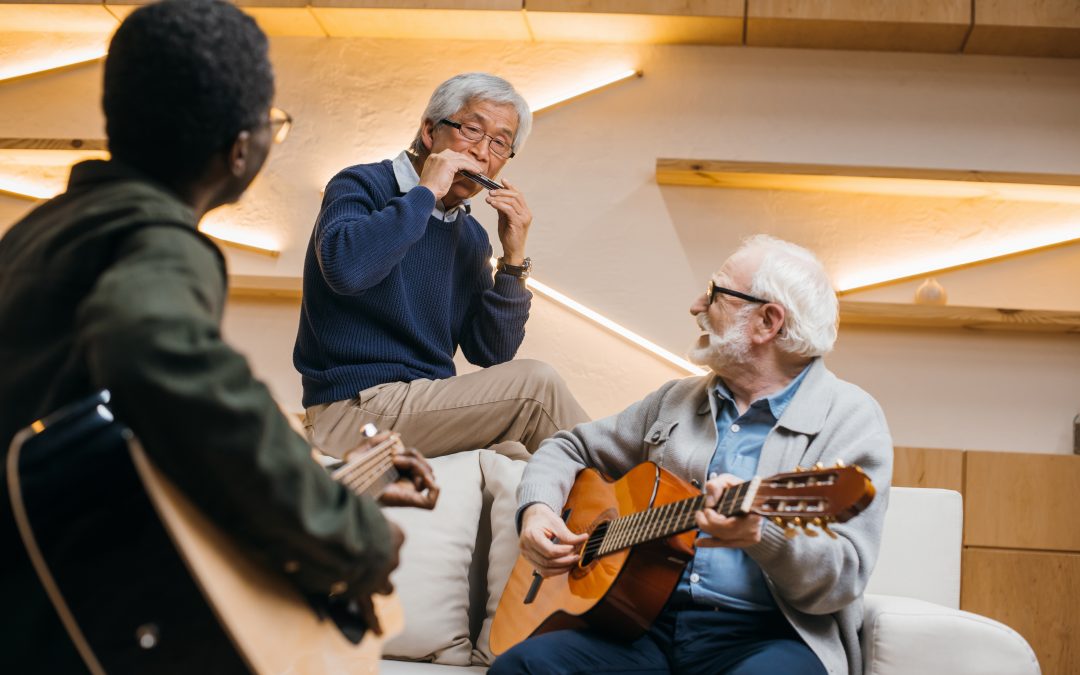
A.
pixel 803 498
pixel 674 518
pixel 370 472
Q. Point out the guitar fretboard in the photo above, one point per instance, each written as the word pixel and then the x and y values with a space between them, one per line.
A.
pixel 662 521
pixel 371 472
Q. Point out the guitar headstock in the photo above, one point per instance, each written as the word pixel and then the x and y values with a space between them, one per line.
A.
pixel 815 497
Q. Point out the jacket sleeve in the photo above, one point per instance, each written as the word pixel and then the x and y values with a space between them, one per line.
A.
pixel 613 445
pixel 356 242
pixel 819 575
pixel 150 333
pixel 494 326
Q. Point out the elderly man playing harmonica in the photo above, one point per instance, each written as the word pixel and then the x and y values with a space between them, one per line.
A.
pixel 398 277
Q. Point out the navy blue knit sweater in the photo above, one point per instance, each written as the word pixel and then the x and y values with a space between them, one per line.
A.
pixel 390 292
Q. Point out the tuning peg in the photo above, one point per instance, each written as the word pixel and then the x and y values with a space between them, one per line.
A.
pixel 819 466
pixel 826 530
pixel 790 532
pixel 807 531
pixel 840 464
pixel 799 468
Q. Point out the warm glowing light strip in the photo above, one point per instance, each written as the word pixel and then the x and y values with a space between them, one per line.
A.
pixel 948 261
pixel 255 242
pixel 585 89
pixel 625 333
pixel 68 60
pixel 25 190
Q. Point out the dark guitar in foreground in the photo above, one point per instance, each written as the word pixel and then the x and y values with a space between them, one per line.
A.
pixel 642 534
pixel 144 583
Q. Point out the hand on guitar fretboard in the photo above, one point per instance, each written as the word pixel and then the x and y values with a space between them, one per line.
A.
pixel 382 468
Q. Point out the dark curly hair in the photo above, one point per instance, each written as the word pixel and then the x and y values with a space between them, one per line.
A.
pixel 182 79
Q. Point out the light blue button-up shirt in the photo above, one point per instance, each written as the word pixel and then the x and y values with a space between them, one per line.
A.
pixel 727 577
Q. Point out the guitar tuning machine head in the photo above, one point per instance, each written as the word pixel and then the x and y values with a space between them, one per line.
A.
pixel 819 466
pixel 824 525
pixel 840 464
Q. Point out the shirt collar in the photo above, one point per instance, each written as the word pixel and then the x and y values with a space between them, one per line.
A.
pixel 776 403
pixel 407 179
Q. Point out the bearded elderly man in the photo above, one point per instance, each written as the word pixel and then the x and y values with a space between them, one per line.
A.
pixel 750 600
pixel 398 276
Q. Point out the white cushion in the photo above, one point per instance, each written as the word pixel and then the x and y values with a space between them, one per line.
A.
pixel 501 478
pixel 920 546
pixel 903 636
pixel 432 581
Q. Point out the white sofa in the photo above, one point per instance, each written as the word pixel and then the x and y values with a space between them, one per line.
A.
pixel 457 558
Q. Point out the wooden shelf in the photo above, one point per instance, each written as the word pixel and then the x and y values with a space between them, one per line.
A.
pixel 1013 186
pixel 851 312
pixel 969 318
pixel 249 286
pixel 80 144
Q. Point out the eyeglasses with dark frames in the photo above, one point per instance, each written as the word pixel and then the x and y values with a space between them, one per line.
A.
pixel 713 290
pixel 280 124
pixel 471 132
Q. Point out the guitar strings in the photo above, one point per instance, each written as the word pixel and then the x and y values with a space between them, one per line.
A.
pixel 660 522
pixel 379 473
pixel 362 473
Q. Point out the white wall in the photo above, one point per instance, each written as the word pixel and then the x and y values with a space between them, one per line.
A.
pixel 606 234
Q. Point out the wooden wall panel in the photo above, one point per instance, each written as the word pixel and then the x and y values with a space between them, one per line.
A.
pixel 874 25
pixel 928 468
pixel 1035 594
pixel 1029 28
pixel 1022 500
pixel 727 8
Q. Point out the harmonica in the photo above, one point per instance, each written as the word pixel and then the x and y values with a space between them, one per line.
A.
pixel 481 179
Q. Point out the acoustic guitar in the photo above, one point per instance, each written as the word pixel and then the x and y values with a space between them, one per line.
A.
pixel 92 509
pixel 641 536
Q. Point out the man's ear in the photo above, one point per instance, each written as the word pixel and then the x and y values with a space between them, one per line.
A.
pixel 427 131
pixel 239 154
pixel 772 321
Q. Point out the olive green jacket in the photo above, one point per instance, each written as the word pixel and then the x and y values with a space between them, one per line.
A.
pixel 110 286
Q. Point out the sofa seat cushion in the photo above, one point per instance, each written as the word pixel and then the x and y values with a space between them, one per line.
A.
pixel 432 581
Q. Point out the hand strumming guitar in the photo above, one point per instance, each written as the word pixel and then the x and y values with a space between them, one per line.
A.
pixel 539 524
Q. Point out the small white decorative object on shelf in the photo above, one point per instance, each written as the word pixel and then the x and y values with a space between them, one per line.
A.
pixel 931 293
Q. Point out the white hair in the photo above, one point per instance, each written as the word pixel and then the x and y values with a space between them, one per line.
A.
pixel 792 276
pixel 457 92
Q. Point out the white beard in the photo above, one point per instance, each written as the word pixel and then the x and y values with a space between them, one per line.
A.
pixel 731 348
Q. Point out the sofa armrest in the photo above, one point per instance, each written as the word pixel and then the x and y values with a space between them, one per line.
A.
pixel 905 635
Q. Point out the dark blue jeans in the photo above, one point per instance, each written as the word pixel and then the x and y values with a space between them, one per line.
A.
pixel 694 640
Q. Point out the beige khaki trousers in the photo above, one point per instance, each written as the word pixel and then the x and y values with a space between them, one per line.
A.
pixel 518 402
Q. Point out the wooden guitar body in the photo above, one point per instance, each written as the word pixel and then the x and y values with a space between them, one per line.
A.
pixel 144 582
pixel 641 535
pixel 618 594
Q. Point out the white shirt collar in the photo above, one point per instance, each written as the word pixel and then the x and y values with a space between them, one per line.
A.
pixel 407 179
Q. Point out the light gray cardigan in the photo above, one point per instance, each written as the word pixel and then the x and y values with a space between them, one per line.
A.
pixel 817 581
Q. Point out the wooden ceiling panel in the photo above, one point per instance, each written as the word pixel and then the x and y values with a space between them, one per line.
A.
pixel 732 9
pixel 423 23
pixel 1036 28
pixel 634 28
pixel 870 25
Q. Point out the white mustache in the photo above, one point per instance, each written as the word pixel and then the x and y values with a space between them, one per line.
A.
pixel 703 323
